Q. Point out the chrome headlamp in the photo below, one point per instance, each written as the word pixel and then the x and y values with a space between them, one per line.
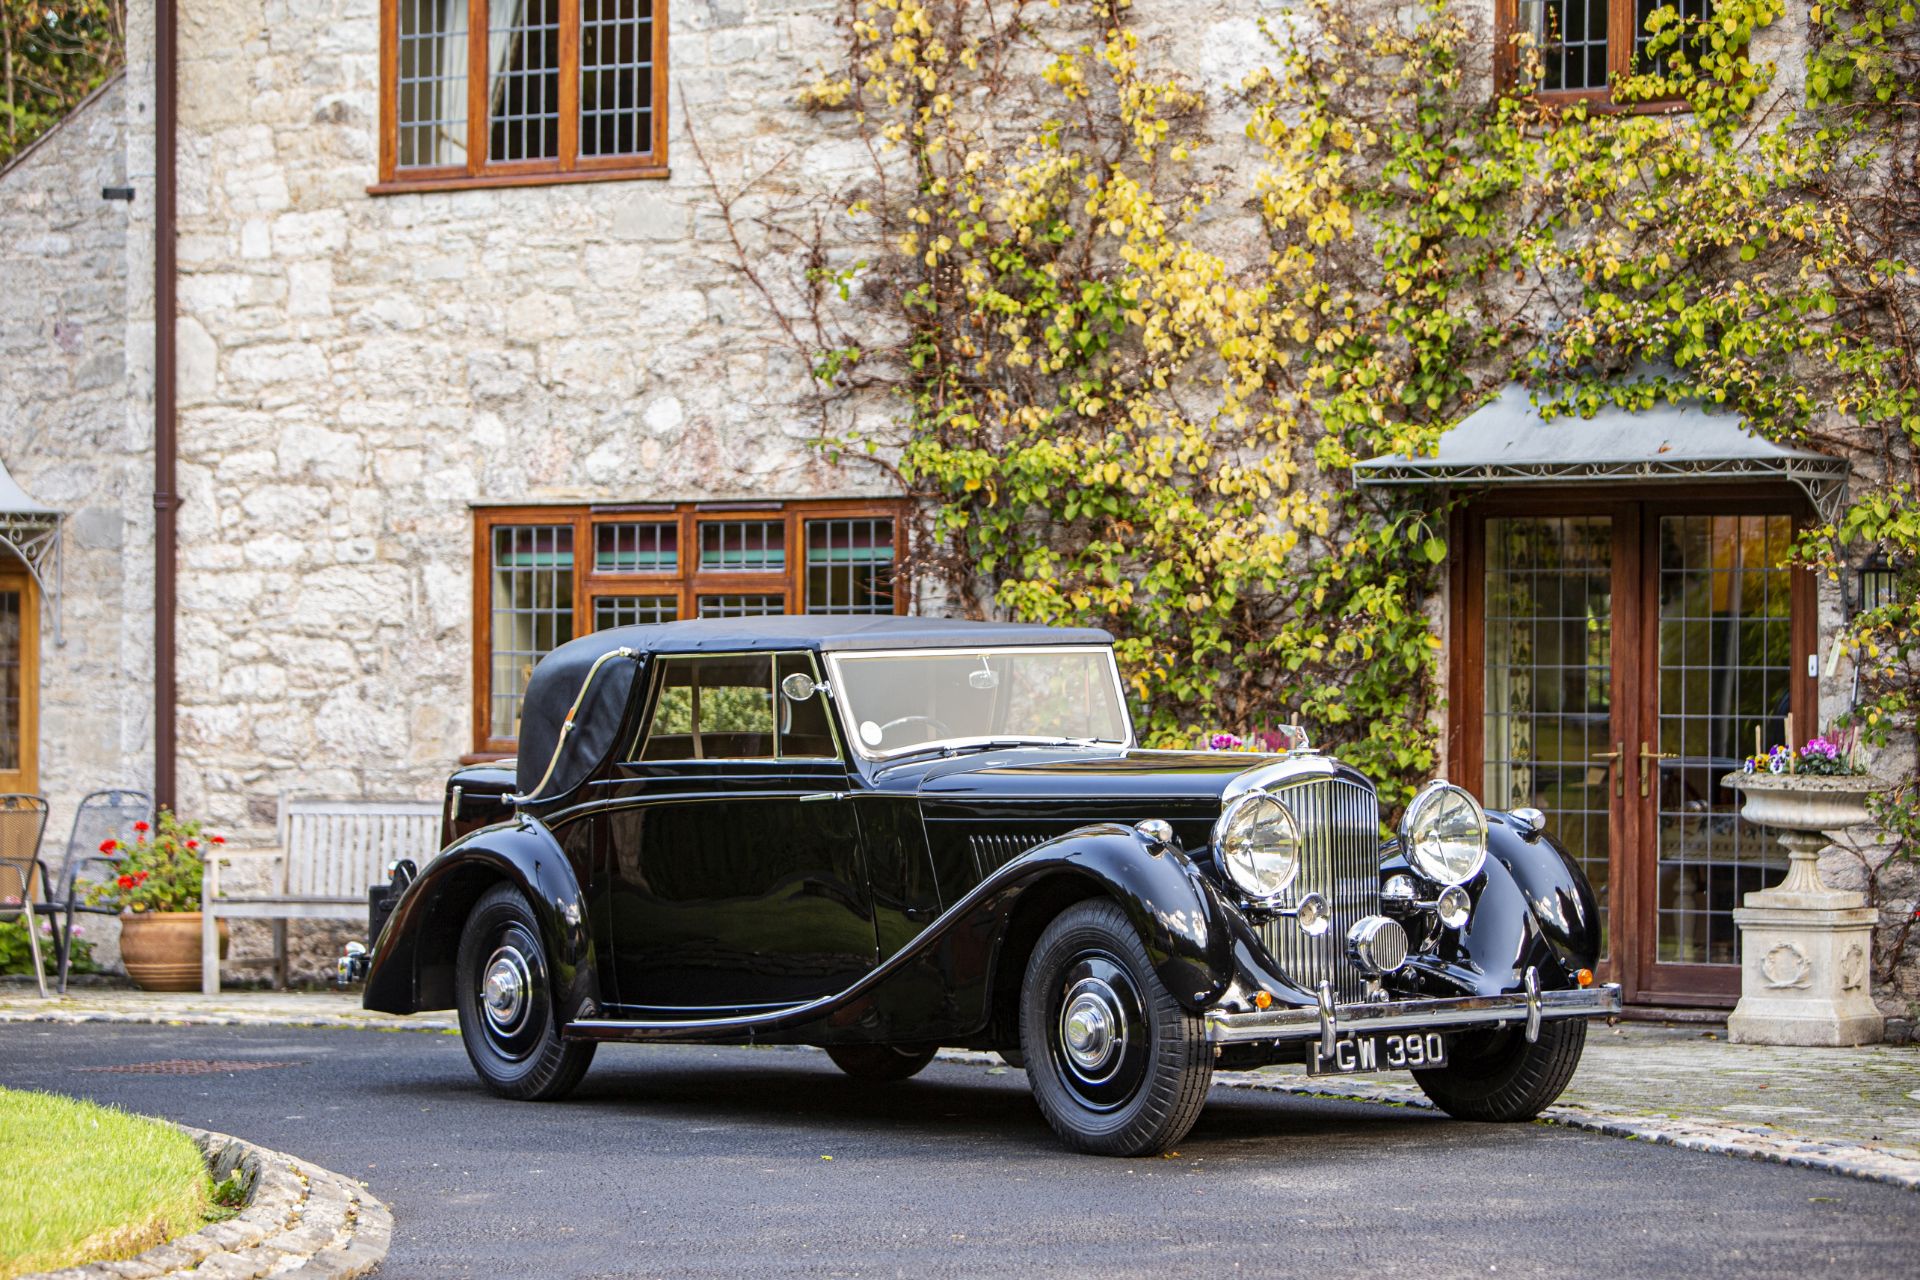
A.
pixel 1258 844
pixel 1445 834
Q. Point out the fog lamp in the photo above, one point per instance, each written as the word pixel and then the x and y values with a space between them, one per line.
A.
pixel 1453 906
pixel 1377 945
pixel 1313 915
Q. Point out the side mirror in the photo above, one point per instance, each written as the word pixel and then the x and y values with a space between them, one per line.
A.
pixel 798 687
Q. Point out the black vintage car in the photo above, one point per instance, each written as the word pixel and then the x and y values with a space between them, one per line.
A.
pixel 882 836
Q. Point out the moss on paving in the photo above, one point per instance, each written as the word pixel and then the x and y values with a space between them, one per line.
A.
pixel 86 1183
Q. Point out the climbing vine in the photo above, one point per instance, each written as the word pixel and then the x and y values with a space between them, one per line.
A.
pixel 1142 327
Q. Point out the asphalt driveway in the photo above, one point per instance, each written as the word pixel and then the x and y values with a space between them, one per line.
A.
pixel 739 1162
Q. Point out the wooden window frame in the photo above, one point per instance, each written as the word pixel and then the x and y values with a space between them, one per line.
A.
pixel 568 166
pixel 686 584
pixel 14 577
pixel 1620 18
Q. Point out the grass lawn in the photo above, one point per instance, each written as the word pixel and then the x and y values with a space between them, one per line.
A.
pixel 85 1183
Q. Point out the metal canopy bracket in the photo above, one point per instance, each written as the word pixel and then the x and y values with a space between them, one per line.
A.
pixel 31 531
pixel 1508 442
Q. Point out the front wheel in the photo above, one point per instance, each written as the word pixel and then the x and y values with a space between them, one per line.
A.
pixel 880 1063
pixel 1497 1075
pixel 507 1020
pixel 1117 1066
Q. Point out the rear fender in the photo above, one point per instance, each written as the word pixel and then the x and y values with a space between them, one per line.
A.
pixel 413 958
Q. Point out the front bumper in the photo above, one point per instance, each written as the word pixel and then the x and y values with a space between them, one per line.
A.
pixel 1327 1022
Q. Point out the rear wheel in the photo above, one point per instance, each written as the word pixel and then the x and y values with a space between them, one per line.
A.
pixel 507 1020
pixel 880 1062
pixel 1497 1075
pixel 1117 1066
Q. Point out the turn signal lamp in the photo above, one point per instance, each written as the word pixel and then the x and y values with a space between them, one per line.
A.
pixel 1263 999
pixel 1584 977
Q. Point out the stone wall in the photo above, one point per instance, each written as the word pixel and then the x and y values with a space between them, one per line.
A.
pixel 67 437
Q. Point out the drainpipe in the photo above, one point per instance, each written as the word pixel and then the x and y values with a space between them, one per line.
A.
pixel 165 419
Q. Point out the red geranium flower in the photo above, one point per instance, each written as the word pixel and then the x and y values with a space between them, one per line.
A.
pixel 140 877
pixel 193 844
pixel 109 845
pixel 125 882
pixel 218 839
pixel 140 826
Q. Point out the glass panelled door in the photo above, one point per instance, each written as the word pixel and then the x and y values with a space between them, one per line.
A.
pixel 1620 658
pixel 1723 651
pixel 1548 679
pixel 19 683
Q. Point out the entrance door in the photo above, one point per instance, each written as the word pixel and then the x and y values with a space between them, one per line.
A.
pixel 1620 656
pixel 19 682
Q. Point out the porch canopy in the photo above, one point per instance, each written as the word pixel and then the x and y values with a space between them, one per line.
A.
pixel 1507 442
pixel 31 530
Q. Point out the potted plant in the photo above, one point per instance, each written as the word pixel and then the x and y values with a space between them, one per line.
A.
pixel 157 889
pixel 1805 794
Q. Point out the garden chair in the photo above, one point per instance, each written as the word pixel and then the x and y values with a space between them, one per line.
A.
pixel 102 816
pixel 23 819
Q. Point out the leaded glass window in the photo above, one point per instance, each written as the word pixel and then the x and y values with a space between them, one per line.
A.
pixel 636 548
pixel 532 588
pixel 850 566
pixel 626 611
pixel 430 92
pixel 742 606
pixel 744 545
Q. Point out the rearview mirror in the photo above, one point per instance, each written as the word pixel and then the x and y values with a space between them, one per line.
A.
pixel 798 687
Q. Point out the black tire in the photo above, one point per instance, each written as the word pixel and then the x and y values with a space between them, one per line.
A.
pixel 513 1040
pixel 880 1062
pixel 1136 1077
pixel 1498 1076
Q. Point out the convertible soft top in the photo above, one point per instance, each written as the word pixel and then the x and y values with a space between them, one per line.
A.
pixel 556 681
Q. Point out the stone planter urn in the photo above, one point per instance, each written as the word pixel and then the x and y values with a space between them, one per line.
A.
pixel 1806 951
pixel 161 949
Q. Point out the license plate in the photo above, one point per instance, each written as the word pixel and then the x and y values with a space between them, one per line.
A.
pixel 1389 1051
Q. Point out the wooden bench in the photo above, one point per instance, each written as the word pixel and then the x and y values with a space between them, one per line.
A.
pixel 331 852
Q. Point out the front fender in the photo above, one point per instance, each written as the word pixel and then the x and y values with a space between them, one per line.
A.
pixel 1172 904
pixel 412 965
pixel 1533 908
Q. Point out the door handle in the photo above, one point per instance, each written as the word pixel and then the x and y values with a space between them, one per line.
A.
pixel 1647 754
pixel 1613 760
pixel 823 795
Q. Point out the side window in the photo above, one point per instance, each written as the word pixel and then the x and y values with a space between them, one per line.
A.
pixel 731 708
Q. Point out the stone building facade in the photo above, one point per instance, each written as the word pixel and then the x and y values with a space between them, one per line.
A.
pixel 375 371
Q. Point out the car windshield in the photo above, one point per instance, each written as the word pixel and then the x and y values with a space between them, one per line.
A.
pixel 905 701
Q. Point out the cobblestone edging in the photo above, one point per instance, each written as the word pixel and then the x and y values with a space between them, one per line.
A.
pixel 1852 1159
pixel 301 1222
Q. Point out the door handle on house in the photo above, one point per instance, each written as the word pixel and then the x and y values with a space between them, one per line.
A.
pixel 1613 766
pixel 1647 754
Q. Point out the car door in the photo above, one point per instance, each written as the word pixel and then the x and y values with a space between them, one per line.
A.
pixel 735 876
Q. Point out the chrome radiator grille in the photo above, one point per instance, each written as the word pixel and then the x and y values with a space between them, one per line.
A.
pixel 1340 824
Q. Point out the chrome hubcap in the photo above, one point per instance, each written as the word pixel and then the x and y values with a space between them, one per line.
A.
pixel 1093 1029
pixel 505 988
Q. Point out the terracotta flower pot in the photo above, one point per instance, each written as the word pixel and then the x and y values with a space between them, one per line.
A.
pixel 161 949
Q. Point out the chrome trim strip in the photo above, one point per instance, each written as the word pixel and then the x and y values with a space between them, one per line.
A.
pixel 1309 1023
pixel 1533 1005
